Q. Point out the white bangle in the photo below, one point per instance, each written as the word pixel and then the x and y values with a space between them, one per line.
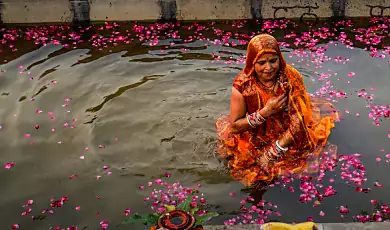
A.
pixel 280 147
pixel 249 122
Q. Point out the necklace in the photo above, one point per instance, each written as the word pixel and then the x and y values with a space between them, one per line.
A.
pixel 270 89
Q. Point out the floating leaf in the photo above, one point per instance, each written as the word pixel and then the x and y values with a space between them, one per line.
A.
pixel 170 207
pixel 194 210
pixel 186 205
pixel 202 219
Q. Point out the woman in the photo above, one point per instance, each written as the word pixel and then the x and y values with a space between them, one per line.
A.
pixel 274 127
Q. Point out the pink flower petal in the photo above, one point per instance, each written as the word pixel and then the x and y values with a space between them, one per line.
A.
pixel 377 184
pixel 344 210
pixel 73 176
pixel 127 211
pixel 9 165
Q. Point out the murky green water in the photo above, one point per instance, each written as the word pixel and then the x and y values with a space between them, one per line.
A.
pixel 143 110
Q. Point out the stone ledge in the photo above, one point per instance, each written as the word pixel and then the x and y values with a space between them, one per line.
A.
pixel 53 11
pixel 323 226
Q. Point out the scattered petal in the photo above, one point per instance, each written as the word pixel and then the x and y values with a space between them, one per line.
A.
pixel 9 165
pixel 127 211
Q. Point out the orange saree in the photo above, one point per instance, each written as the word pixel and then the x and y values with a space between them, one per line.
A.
pixel 308 121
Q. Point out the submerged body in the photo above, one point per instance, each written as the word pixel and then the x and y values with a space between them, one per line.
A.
pixel 274 127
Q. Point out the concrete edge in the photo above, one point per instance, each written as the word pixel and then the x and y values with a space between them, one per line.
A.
pixel 76 11
pixel 321 226
pixel 1 11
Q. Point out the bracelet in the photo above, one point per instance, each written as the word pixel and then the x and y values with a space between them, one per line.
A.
pixel 280 147
pixel 255 119
pixel 249 122
pixel 270 156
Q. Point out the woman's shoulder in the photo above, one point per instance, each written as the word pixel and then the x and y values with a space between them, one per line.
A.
pixel 291 69
pixel 239 81
pixel 293 73
pixel 240 77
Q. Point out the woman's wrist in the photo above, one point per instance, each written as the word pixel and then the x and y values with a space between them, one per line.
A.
pixel 282 143
pixel 281 146
pixel 265 112
pixel 255 119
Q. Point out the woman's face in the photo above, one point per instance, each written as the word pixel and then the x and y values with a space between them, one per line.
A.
pixel 267 66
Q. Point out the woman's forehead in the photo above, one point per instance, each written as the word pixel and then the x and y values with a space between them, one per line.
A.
pixel 268 56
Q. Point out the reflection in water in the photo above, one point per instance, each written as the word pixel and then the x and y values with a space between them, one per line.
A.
pixel 180 78
pixel 122 90
pixel 48 72
pixel 43 88
pixel 180 56
pixel 22 98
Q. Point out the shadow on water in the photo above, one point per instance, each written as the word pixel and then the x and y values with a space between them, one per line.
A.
pixel 153 92
pixel 208 176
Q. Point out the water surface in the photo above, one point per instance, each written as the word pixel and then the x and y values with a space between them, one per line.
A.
pixel 144 109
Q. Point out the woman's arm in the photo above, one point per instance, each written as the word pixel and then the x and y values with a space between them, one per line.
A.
pixel 295 134
pixel 238 120
pixel 287 139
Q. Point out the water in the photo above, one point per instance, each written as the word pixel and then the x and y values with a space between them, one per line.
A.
pixel 144 110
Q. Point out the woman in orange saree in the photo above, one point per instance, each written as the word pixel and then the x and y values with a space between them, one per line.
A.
pixel 274 127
